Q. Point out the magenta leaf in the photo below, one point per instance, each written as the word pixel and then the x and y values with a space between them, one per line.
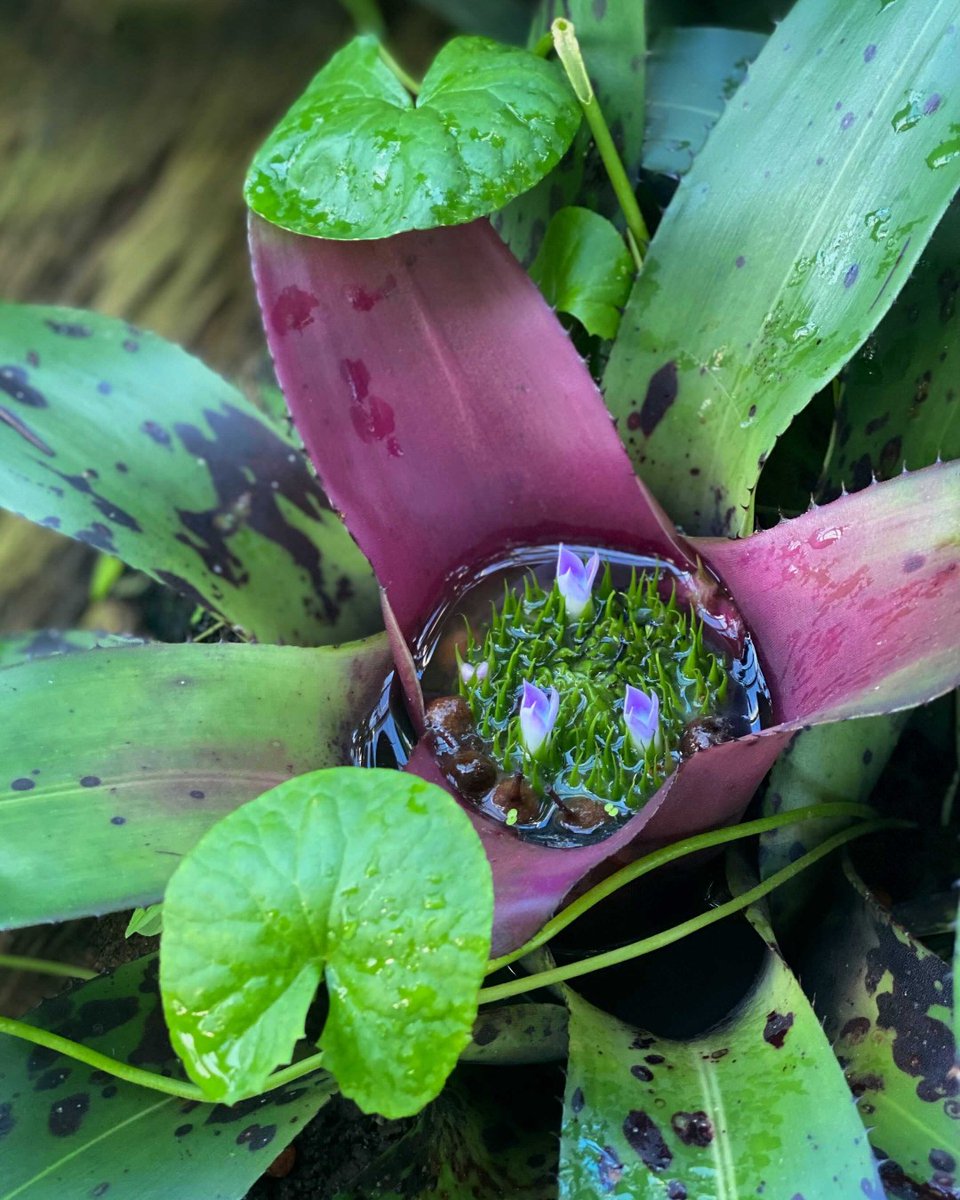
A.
pixel 855 606
pixel 443 405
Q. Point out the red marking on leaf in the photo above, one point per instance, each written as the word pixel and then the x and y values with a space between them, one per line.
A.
pixel 292 310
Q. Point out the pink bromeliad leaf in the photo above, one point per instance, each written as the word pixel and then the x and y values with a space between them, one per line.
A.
pixel 446 410
pixel 450 418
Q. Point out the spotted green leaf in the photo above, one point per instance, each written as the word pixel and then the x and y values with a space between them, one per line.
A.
pixel 901 397
pixel 69 1131
pixel 612 36
pixel 371 880
pixel 115 761
pixel 887 1004
pixel 766 273
pixel 122 440
pixel 583 268
pixel 756 1106
pixel 355 157
pixel 692 73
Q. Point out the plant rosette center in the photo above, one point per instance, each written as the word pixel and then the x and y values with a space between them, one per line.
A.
pixel 563 686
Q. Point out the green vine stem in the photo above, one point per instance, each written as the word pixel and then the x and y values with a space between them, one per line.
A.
pixel 412 85
pixel 529 983
pixel 668 854
pixel 568 51
pixel 41 966
pixel 365 14
pixel 136 1075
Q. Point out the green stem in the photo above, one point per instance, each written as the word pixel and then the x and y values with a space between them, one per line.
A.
pixel 412 85
pixel 365 14
pixel 650 862
pixel 147 1079
pixel 529 983
pixel 543 46
pixel 568 51
pixel 16 962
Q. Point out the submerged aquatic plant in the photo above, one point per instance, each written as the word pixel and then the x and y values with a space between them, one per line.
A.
pixel 456 427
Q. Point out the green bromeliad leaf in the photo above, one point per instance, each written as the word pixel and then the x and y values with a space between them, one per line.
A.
pixel 114 762
pixel 768 271
pixel 71 1131
pixel 355 157
pixel 612 38
pixel 757 1106
pixel 901 399
pixel 824 764
pixel 887 1003
pixel 692 73
pixel 122 440
pixel 583 268
pixel 372 880
pixel 24 647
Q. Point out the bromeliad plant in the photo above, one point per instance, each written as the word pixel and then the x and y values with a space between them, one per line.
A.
pixel 454 424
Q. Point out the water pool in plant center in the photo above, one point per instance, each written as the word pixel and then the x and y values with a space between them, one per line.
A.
pixel 563 684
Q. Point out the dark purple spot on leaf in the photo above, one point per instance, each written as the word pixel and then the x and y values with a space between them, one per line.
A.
pixel 22 785
pixel 101 1189
pixel 851 276
pixel 869 52
pixel 661 393
pixel 777 1027
pixel 182 1131
pixel 639 1071
pixel 857 1028
pixel 740 261
pixel 104 388
pixel 847 120
pixel 33 358
pixel 913 562
pixel 654 1059
pixel 156 433
pixel 66 1116
pixel 131 346
pixel 69 329
pixel 118 820
pixel 255 1137
pixel 51 1079
pixel 932 104
pixel 940 1160
pixel 13 381
pixel 196 794
pixel 644 1137
pixel 90 781
pixel 676 1190
pixel 693 1128
pixel 109 1091
pixel 576 1101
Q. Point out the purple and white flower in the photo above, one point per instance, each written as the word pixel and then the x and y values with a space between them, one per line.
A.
pixel 538 715
pixel 641 715
pixel 575 579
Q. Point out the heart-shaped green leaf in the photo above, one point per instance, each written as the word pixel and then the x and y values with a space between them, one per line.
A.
pixel 371 878
pixel 583 268
pixel 356 158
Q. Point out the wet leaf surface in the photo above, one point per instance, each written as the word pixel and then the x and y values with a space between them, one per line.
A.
pixel 355 157
pixel 583 268
pixel 692 74
pixel 67 1130
pixel 371 880
pixel 848 112
pixel 755 1106
pixel 116 761
pixel 901 395
pixel 612 38
pixel 123 441
pixel 887 1004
